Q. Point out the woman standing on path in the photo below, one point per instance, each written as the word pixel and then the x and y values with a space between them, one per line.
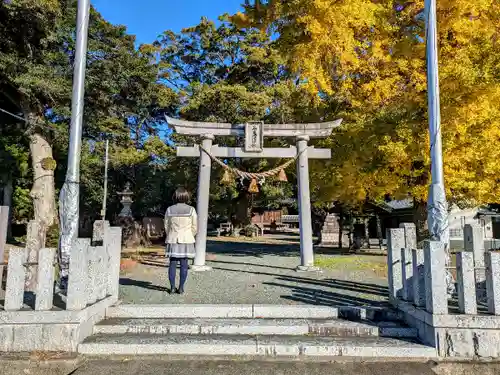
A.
pixel 180 228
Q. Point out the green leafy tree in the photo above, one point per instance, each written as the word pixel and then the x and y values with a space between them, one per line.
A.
pixel 123 102
pixel 227 74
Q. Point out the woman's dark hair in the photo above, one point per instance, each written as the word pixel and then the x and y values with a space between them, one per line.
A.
pixel 181 195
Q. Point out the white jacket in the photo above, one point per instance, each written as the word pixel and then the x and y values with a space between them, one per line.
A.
pixel 180 224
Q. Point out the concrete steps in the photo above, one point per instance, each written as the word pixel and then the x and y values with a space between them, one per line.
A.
pixel 244 345
pixel 253 330
pixel 291 327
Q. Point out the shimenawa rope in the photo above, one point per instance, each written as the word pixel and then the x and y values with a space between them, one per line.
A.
pixel 250 175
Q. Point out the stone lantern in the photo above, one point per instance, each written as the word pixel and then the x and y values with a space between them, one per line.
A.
pixel 126 201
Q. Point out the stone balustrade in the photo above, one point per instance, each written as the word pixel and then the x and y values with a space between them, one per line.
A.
pixel 40 318
pixel 93 275
pixel 465 324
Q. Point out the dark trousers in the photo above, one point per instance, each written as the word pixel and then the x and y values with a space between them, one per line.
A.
pixel 172 269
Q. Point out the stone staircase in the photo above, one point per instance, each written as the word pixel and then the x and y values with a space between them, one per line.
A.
pixel 253 330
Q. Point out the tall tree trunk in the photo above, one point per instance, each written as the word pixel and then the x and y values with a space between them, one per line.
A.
pixel 420 219
pixel 242 212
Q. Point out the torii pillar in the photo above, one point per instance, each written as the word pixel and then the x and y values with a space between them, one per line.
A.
pixel 302 133
pixel 202 204
pixel 305 221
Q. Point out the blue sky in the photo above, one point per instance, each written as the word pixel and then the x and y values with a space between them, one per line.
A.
pixel 148 18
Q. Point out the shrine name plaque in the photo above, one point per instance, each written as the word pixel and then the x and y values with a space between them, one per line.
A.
pixel 254 137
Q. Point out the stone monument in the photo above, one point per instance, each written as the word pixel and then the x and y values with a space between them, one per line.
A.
pixel 332 233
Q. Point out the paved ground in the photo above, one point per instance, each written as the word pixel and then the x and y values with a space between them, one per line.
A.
pixel 151 367
pixel 261 272
pixel 204 366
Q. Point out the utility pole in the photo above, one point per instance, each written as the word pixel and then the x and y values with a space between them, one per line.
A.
pixel 437 206
pixel 69 199
pixel 105 193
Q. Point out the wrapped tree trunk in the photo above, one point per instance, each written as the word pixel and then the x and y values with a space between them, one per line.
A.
pixel 43 195
pixel 43 190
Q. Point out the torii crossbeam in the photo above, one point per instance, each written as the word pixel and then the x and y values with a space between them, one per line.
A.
pixel 254 134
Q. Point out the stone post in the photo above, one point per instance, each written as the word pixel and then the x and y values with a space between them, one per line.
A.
pixel 418 277
pixel 305 222
pixel 410 235
pixel 113 248
pixel 202 204
pixel 92 260
pixel 395 243
pixel 407 273
pixel 406 259
pixel 436 292
pixel 474 243
pixel 16 274
pixel 466 286
pixel 45 284
pixel 78 280
pixel 98 230
pixel 493 282
pixel 101 281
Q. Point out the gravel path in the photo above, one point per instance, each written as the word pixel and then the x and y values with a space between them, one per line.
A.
pixel 256 272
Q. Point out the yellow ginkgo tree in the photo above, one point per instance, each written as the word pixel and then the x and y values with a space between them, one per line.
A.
pixel 369 57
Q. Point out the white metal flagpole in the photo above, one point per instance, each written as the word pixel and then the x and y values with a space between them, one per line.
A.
pixel 437 206
pixel 69 198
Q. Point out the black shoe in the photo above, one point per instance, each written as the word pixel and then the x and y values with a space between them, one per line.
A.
pixel 63 285
pixel 180 291
pixel 171 290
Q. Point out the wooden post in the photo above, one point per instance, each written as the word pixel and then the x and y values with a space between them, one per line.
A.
pixel 341 229
pixel 367 231
pixel 380 235
pixel 351 230
pixel 4 223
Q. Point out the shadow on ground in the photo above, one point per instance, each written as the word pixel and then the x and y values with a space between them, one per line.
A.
pixel 325 292
pixel 267 271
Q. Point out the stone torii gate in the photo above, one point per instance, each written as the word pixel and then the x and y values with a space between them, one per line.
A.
pixel 254 134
